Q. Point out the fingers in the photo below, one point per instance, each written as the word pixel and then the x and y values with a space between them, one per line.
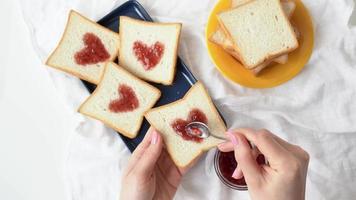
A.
pixel 226 147
pixel 237 173
pixel 245 158
pixel 147 162
pixel 140 149
pixel 265 142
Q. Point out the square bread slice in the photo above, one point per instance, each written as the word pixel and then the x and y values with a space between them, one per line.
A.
pixel 219 37
pixel 260 31
pixel 120 100
pixel 84 49
pixel 235 3
pixel 288 5
pixel 149 50
pixel 164 119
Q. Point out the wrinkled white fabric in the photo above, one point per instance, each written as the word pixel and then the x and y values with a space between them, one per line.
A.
pixel 316 110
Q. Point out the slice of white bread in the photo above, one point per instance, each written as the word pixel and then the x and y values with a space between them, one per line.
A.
pixel 259 30
pixel 127 120
pixel 160 40
pixel 72 42
pixel 182 151
pixel 235 3
pixel 219 37
pixel 256 71
pixel 287 5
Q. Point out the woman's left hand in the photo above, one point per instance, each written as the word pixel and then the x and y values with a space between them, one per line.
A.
pixel 150 173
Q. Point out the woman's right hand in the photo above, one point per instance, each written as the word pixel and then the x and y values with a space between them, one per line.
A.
pixel 285 176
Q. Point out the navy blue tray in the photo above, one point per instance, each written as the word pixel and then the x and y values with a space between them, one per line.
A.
pixel 184 79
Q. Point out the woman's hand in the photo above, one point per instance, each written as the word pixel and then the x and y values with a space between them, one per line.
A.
pixel 150 173
pixel 285 176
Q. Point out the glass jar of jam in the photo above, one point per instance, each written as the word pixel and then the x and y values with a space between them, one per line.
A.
pixel 225 165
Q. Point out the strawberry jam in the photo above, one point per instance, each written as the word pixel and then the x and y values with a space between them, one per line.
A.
pixel 228 164
pixel 93 52
pixel 179 125
pixel 127 101
pixel 149 56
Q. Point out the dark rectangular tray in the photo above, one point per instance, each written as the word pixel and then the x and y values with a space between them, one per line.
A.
pixel 184 79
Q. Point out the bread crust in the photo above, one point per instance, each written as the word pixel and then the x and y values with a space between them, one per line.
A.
pixel 98 88
pixel 175 57
pixel 66 69
pixel 186 96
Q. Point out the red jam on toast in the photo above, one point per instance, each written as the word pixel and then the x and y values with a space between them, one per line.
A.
pixel 149 56
pixel 93 52
pixel 127 101
pixel 179 125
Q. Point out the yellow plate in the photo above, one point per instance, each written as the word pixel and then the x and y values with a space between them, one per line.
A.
pixel 273 75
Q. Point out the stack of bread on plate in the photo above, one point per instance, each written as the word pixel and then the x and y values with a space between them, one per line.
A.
pixel 146 51
pixel 257 33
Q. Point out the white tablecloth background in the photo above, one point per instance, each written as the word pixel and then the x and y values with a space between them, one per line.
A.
pixel 316 110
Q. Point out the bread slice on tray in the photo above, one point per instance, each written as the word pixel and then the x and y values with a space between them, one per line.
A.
pixel 84 49
pixel 260 31
pixel 149 50
pixel 171 119
pixel 120 100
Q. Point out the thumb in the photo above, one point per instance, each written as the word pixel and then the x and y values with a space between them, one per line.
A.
pixel 245 158
pixel 146 164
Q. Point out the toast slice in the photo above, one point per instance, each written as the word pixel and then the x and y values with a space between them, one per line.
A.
pixel 120 100
pixel 287 5
pixel 84 49
pixel 236 3
pixel 149 50
pixel 259 31
pixel 219 37
pixel 171 119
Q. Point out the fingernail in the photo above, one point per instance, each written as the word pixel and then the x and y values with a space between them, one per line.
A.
pixel 154 137
pixel 232 137
pixel 221 144
pixel 235 174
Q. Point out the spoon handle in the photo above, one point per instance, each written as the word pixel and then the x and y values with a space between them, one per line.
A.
pixel 219 137
pixel 253 146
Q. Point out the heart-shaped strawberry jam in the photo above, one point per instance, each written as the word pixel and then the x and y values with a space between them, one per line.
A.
pixel 179 125
pixel 93 52
pixel 149 56
pixel 127 101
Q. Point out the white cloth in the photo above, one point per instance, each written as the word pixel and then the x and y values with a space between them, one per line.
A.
pixel 317 109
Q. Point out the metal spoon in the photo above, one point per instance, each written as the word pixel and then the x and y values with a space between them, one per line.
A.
pixel 200 130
